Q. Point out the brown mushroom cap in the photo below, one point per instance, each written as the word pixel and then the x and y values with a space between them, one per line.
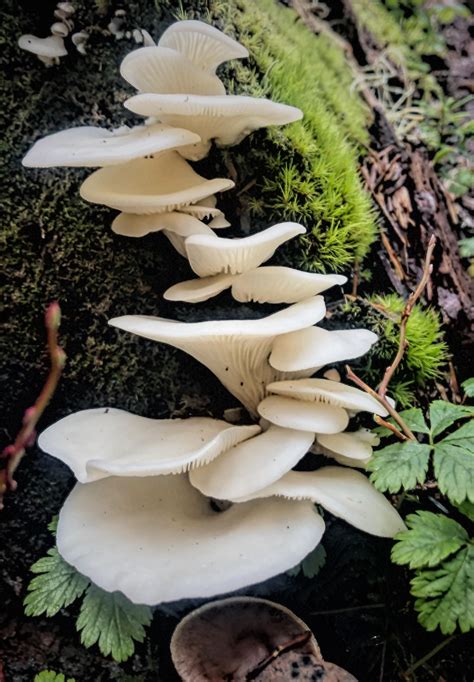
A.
pixel 245 638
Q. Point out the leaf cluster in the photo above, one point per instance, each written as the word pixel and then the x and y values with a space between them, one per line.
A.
pixel 51 676
pixel 403 465
pixel 442 554
pixel 107 619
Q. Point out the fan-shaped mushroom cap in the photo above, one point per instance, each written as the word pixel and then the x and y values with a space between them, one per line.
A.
pixel 304 416
pixel 51 47
pixel 205 208
pixel 219 222
pixel 235 350
pixel 204 45
pixel 229 639
pixel 165 71
pixel 314 347
pixel 156 539
pixel 346 493
pixel 347 444
pixel 213 255
pixel 252 465
pixel 329 392
pixel 133 225
pixel 276 284
pixel 105 442
pixel 227 119
pixel 159 184
pixel 90 146
pixel 198 290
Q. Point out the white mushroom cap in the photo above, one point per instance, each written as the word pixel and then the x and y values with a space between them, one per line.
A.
pixel 156 539
pixel 198 290
pixel 90 146
pixel 213 255
pixel 348 445
pixel 133 225
pixel 314 347
pixel 59 28
pixel 304 416
pixel 330 392
pixel 204 45
pixel 236 351
pixel 205 208
pixel 345 493
pixel 276 284
pixel 51 47
pixel 104 442
pixel 219 222
pixel 159 184
pixel 253 465
pixel 227 119
pixel 164 71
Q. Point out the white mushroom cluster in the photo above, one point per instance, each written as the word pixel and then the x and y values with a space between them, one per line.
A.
pixel 140 520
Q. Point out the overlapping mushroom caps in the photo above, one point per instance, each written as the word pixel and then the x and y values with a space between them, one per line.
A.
pixel 140 520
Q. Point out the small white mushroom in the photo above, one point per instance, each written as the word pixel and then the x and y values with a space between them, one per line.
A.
pixel 236 351
pixel 253 465
pixel 303 416
pixel 66 7
pixel 219 222
pixel 159 184
pixel 79 40
pixel 213 255
pixel 198 290
pixel 204 45
pixel 161 70
pixel 350 448
pixel 147 39
pixel 156 539
pixel 329 392
pixel 50 48
pixel 59 28
pixel 227 119
pixel 332 374
pixel 133 225
pixel 315 347
pixel 95 147
pixel 204 209
pixel 103 442
pixel 345 493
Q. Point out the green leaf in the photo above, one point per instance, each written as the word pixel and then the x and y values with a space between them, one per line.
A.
pixel 53 524
pixel 51 676
pixel 443 414
pixel 430 539
pixel 113 621
pixel 446 594
pixel 467 508
pixel 454 464
pixel 468 385
pixel 57 585
pixel 401 465
pixel 413 417
pixel 311 564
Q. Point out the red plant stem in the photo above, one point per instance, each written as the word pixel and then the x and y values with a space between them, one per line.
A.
pixel 15 452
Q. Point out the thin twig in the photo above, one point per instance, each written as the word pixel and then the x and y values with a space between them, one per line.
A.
pixel 424 659
pixel 348 609
pixel 14 453
pixel 381 422
pixel 412 299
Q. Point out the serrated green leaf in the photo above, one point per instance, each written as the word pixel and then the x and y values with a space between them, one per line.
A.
pixel 57 585
pixel 430 539
pixel 468 385
pixel 53 524
pixel 467 508
pixel 401 465
pixel 454 464
pixel 446 594
pixel 413 417
pixel 444 414
pixel 311 564
pixel 112 621
pixel 51 676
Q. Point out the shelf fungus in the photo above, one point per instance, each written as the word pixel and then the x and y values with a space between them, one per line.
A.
pixel 141 519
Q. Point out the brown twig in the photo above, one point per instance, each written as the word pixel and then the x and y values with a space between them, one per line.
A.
pixel 14 453
pixel 412 299
pixel 381 422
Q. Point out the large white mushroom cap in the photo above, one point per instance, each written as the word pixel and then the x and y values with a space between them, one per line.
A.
pixel 235 350
pixel 227 119
pixel 252 465
pixel 204 45
pixel 91 146
pixel 159 184
pixel 213 255
pixel 304 416
pixel 266 284
pixel 345 493
pixel 165 71
pixel 105 442
pixel 51 47
pixel 315 347
pixel 329 392
pixel 157 539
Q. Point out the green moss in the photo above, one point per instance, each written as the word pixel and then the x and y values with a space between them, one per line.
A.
pixel 307 171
